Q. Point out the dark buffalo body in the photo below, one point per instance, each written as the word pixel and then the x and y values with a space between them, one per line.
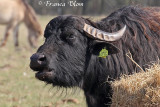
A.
pixel 69 56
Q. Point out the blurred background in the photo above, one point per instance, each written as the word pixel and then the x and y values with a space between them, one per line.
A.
pixel 90 7
pixel 18 86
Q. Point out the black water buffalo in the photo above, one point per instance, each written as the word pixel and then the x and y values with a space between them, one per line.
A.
pixel 69 56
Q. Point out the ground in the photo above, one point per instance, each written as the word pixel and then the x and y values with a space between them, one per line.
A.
pixel 18 86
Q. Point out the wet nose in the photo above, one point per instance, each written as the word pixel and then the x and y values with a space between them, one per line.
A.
pixel 38 61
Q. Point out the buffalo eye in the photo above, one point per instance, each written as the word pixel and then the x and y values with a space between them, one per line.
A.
pixel 70 38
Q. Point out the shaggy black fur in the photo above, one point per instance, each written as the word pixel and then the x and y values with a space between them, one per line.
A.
pixel 72 56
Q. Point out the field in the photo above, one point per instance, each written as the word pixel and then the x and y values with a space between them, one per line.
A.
pixel 18 86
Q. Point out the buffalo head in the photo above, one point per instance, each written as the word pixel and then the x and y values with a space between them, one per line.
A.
pixel 69 42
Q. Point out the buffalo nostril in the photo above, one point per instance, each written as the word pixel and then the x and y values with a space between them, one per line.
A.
pixel 41 59
pixel 38 61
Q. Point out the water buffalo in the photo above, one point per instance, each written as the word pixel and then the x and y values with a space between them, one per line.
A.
pixel 69 56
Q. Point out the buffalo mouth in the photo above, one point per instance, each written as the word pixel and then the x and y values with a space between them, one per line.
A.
pixel 44 75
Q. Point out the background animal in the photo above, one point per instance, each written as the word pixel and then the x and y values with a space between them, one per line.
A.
pixel 69 55
pixel 14 12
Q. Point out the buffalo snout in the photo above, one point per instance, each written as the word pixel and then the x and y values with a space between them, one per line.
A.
pixel 38 61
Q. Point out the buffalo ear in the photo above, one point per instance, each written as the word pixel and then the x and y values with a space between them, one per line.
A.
pixel 99 45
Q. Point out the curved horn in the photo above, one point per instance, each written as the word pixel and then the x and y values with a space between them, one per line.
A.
pixel 105 36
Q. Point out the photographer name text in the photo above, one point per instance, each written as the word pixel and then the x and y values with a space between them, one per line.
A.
pixel 60 4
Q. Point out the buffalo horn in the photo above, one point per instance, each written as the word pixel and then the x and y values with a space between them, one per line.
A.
pixel 105 36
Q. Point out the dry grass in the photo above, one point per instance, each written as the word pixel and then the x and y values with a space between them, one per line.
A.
pixel 138 90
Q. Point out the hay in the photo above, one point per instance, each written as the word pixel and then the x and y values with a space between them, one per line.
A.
pixel 138 90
